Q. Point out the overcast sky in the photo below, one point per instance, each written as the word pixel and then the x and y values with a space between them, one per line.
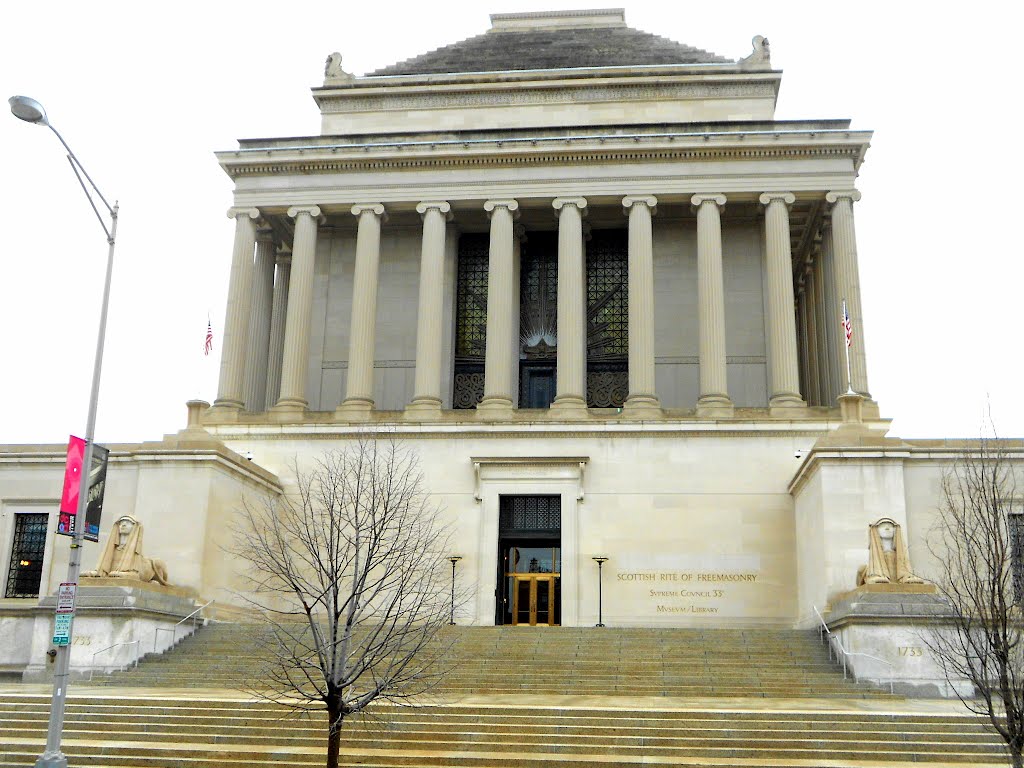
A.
pixel 145 93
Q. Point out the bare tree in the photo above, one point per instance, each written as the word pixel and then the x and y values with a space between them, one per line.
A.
pixel 978 544
pixel 350 570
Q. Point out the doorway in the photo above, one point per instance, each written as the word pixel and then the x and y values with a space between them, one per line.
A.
pixel 534 600
pixel 530 561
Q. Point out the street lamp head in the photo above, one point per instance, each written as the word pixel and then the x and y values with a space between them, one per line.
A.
pixel 29 110
pixel 600 559
pixel 455 558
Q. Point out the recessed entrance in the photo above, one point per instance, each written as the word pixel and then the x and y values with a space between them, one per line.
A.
pixel 534 599
pixel 529 570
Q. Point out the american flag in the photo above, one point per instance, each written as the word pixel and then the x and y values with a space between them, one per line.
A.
pixel 847 326
pixel 208 346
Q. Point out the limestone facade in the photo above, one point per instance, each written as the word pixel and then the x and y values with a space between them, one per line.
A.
pixel 728 484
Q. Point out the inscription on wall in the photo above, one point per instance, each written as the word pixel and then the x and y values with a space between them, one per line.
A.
pixel 685 592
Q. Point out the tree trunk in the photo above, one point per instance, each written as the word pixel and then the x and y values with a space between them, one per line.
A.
pixel 1016 758
pixel 334 721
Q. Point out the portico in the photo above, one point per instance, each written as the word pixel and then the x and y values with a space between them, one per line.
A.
pixel 271 316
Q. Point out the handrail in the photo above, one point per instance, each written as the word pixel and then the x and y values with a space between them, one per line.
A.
pixel 134 662
pixel 833 638
pixel 174 630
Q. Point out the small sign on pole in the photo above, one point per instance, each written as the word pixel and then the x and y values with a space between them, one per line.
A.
pixel 66 597
pixel 62 628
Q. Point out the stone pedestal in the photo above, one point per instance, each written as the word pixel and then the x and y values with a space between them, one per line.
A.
pixel 885 628
pixel 117 621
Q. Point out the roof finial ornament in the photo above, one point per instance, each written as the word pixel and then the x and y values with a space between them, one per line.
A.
pixel 333 71
pixel 761 57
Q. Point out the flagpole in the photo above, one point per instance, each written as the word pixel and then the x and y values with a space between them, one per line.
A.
pixel 847 334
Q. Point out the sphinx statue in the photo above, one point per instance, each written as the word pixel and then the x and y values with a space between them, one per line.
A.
pixel 122 556
pixel 888 560
pixel 760 58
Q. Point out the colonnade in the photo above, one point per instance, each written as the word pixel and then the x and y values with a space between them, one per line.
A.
pixel 267 328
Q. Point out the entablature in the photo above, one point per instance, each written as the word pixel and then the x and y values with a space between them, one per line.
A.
pixel 318 157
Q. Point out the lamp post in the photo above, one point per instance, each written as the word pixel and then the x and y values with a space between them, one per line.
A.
pixel 454 559
pixel 31 111
pixel 600 560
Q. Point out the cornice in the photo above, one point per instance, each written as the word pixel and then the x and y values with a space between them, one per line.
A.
pixel 347 158
pixel 519 94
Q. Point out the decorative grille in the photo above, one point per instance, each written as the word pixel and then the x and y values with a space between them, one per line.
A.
pixel 1016 526
pixel 607 318
pixel 27 552
pixel 538 295
pixel 470 320
pixel 607 389
pixel 607 296
pixel 530 514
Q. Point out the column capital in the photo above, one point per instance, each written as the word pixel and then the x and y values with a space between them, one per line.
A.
pixel 444 207
pixel 853 195
pixel 235 212
pixel 312 210
pixel 649 200
pixel 511 205
pixel 770 197
pixel 717 198
pixel 377 209
pixel 580 202
pixel 264 234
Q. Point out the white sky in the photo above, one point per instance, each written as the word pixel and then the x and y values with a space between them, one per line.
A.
pixel 145 93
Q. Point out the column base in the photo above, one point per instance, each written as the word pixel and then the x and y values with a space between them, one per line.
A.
pixel 354 409
pixel 423 409
pixel 715 407
pixel 568 407
pixel 642 407
pixel 495 407
pixel 789 405
pixel 223 412
pixel 288 409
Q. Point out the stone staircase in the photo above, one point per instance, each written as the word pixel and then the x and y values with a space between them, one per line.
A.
pixel 764 663
pixel 525 698
pixel 163 732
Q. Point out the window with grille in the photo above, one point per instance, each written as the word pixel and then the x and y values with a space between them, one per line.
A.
pixel 607 318
pixel 471 320
pixel 534 515
pixel 27 550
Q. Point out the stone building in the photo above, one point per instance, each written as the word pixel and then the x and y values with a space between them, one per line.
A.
pixel 587 275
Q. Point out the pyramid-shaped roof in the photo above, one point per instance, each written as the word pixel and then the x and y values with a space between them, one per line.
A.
pixel 553 40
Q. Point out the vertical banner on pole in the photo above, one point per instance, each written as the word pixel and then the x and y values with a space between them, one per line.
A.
pixel 95 488
pixel 72 486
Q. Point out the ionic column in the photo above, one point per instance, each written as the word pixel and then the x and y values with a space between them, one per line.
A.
pixel 714 380
pixel 822 320
pixel 259 323
pixel 427 389
pixel 231 390
pixel 295 359
pixel 278 311
pixel 833 333
pixel 784 383
pixel 803 361
pixel 498 384
pixel 642 400
pixel 571 375
pixel 358 400
pixel 813 389
pixel 519 239
pixel 847 281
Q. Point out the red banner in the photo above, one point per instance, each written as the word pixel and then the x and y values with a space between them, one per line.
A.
pixel 72 475
pixel 72 484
